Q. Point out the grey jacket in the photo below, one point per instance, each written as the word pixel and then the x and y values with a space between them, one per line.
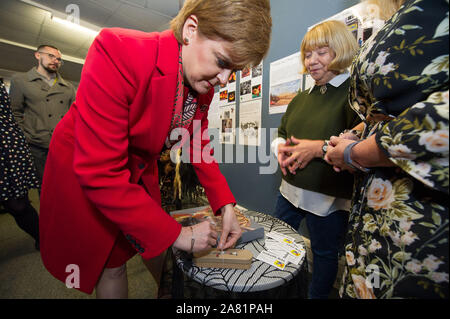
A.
pixel 37 107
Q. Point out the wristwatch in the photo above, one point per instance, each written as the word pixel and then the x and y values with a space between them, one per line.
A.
pixel 348 159
pixel 324 148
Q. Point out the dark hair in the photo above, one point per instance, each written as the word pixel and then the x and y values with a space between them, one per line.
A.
pixel 46 45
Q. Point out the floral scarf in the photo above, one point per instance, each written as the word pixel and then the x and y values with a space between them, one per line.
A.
pixel 183 113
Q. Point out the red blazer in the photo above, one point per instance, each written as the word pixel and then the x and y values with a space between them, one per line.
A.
pixel 110 140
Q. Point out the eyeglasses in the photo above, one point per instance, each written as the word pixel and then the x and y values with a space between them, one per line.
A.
pixel 53 57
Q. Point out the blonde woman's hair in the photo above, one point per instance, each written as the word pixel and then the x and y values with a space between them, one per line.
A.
pixel 246 24
pixel 387 8
pixel 335 35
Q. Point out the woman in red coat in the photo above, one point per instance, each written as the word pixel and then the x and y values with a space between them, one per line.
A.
pixel 100 200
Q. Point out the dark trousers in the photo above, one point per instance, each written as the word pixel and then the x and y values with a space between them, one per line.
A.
pixel 25 216
pixel 327 237
pixel 39 157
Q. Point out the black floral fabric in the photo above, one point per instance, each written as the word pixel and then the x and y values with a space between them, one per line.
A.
pixel 397 245
pixel 17 171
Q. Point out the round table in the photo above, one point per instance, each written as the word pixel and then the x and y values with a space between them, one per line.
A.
pixel 259 277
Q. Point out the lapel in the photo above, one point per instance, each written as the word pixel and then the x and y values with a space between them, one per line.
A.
pixel 167 60
pixel 163 86
pixel 34 75
pixel 57 88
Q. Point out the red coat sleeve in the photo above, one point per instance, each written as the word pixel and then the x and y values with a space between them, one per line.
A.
pixel 106 93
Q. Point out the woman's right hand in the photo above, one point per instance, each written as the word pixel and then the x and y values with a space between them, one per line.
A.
pixel 204 234
pixel 335 153
pixel 282 156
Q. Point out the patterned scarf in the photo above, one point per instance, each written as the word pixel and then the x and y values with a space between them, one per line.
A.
pixel 183 113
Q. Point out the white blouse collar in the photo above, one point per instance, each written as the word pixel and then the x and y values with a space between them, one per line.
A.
pixel 336 81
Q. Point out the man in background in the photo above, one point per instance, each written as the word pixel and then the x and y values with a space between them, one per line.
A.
pixel 39 100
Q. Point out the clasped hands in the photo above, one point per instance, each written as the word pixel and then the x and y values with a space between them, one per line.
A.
pixel 335 151
pixel 205 236
pixel 297 153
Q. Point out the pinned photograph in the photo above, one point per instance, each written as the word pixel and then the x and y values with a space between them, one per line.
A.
pixel 231 96
pixel 257 71
pixel 246 88
pixel 283 93
pixel 245 72
pixel 224 95
pixel 232 77
pixel 256 91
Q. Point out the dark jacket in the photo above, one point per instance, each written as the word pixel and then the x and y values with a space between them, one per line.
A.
pixel 37 107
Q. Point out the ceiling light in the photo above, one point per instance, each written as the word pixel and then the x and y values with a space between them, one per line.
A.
pixel 74 26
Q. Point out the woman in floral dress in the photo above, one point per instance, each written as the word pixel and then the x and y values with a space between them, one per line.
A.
pixel 17 172
pixel 397 244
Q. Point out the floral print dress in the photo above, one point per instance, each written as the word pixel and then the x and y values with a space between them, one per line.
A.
pixel 17 171
pixel 397 243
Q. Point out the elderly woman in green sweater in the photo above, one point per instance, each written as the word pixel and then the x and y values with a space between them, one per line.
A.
pixel 310 188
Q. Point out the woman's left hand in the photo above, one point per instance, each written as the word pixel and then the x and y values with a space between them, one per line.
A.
pixel 302 152
pixel 231 231
pixel 335 153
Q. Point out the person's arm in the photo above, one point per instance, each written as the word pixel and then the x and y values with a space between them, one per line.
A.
pixel 366 153
pixel 17 101
pixel 281 140
pixel 418 136
pixel 354 133
pixel 72 98
pixel 418 140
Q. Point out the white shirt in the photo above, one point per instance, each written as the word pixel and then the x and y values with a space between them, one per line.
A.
pixel 314 202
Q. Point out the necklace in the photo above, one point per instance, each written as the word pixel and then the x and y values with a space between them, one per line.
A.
pixel 323 89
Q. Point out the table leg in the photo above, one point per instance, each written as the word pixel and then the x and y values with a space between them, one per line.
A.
pixel 177 280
